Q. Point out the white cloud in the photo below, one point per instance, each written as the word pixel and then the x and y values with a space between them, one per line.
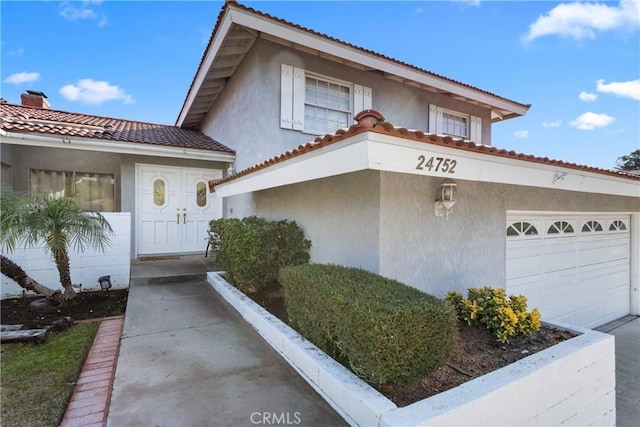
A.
pixel 16 52
pixel 475 3
pixel 555 124
pixel 630 89
pixel 74 11
pixel 92 91
pixel 587 97
pixel 23 77
pixel 590 121
pixel 521 134
pixel 582 20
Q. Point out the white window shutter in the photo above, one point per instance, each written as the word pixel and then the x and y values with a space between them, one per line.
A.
pixel 299 89
pixel 362 97
pixel 358 99
pixel 367 96
pixel 475 133
pixel 286 97
pixel 433 112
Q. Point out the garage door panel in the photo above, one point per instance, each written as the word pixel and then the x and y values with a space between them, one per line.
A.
pixel 590 316
pixel 618 251
pixel 524 266
pixel 617 304
pixel 559 290
pixel 579 276
pixel 559 260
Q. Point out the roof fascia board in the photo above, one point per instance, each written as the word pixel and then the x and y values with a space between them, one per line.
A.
pixel 60 142
pixel 343 157
pixel 372 150
pixel 297 36
pixel 221 35
pixel 386 155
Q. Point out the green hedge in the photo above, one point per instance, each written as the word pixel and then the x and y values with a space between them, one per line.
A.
pixel 252 250
pixel 383 330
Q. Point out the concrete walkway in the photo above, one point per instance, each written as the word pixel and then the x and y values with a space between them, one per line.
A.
pixel 188 359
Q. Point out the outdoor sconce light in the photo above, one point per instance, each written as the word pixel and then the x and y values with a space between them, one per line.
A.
pixel 105 282
pixel 230 170
pixel 448 195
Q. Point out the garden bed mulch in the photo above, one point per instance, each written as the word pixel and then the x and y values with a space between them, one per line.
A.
pixel 86 305
pixel 476 353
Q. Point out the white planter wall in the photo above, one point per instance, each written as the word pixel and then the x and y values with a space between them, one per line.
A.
pixel 86 267
pixel 571 383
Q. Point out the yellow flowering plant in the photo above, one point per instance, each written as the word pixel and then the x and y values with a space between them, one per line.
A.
pixel 503 316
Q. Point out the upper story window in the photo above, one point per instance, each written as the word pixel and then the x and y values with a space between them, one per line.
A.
pixel 459 125
pixel 317 104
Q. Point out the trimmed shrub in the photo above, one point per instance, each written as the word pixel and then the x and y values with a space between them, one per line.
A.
pixel 383 330
pixel 503 317
pixel 252 250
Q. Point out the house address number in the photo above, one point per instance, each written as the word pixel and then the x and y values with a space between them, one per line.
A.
pixel 437 164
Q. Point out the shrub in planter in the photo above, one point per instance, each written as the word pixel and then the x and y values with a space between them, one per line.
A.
pixel 503 317
pixel 252 250
pixel 383 330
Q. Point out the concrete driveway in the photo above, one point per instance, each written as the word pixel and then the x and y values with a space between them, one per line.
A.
pixel 627 333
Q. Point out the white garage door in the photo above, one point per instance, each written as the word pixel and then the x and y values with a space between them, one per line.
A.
pixel 574 268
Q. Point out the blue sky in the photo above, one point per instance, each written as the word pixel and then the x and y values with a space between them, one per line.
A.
pixel 577 63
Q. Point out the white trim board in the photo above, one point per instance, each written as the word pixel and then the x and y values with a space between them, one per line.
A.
pixel 63 142
pixel 372 150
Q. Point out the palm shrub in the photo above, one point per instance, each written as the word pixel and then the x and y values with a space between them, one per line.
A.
pixel 59 223
pixel 503 317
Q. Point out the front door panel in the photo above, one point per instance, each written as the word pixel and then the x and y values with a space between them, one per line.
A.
pixel 174 209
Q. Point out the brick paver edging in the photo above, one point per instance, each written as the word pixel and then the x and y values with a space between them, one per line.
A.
pixel 89 404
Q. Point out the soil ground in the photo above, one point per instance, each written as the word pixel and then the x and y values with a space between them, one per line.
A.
pixel 86 305
pixel 476 353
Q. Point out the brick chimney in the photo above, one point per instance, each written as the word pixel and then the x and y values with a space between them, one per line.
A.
pixel 34 98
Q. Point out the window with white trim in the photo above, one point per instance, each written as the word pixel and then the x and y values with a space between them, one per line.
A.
pixel 94 191
pixel 318 104
pixel 448 122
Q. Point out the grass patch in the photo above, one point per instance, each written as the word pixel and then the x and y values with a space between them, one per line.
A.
pixel 38 379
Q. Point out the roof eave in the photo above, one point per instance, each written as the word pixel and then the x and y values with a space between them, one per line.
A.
pixel 385 152
pixel 39 139
pixel 300 38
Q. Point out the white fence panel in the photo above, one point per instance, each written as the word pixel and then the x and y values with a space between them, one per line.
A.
pixel 86 267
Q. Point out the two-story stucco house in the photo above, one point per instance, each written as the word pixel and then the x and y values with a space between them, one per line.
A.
pixel 385 166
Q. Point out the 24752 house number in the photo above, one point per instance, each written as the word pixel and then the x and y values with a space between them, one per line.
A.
pixel 437 164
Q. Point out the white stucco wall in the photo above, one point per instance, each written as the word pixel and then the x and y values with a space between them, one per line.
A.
pixel 384 222
pixel 246 116
pixel 468 250
pixel 338 214
pixel 86 267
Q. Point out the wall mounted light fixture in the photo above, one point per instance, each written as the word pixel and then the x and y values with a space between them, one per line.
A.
pixel 105 282
pixel 448 198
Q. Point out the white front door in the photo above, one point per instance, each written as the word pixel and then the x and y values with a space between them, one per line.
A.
pixel 174 207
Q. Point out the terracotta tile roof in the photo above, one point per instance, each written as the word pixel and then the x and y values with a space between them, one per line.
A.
pixel 232 3
pixel 373 121
pixel 22 119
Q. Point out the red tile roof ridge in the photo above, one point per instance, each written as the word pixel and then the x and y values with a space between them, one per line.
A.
pixel 387 128
pixel 45 111
pixel 23 119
